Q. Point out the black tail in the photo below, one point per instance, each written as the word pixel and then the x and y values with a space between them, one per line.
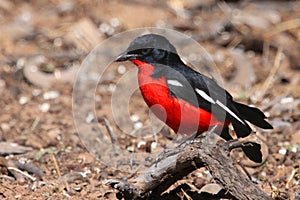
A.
pixel 253 115
pixel 252 151
pixel 256 117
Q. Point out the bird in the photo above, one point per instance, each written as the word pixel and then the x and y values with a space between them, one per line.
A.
pixel 186 100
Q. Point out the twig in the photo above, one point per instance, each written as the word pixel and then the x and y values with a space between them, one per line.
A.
pixel 107 125
pixel 271 77
pixel 56 165
pixel 186 195
pixel 35 123
pixel 23 173
pixel 287 185
pixel 287 25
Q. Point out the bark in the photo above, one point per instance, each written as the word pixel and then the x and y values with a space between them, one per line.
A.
pixel 208 152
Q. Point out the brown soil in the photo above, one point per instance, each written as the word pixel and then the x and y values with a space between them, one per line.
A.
pixel 57 164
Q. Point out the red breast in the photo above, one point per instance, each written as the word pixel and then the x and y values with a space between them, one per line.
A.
pixel 178 114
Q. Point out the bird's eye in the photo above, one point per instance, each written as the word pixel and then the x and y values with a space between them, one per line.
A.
pixel 146 51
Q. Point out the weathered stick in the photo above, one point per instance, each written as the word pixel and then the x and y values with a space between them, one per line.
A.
pixel 208 152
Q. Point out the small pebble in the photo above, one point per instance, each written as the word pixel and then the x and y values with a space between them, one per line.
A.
pixel 111 87
pixel 104 27
pixel 130 148
pixel 286 100
pixel 24 160
pixel 89 118
pixel 141 144
pixel 21 63
pixel 23 100
pixel 283 151
pixel 153 145
pixel 115 22
pixel 44 107
pixel 138 125
pixel 121 69
pixel 50 95
pixel 77 189
pixel 294 149
pixel 134 118
pixel 264 174
pixel 267 114
pixel 36 92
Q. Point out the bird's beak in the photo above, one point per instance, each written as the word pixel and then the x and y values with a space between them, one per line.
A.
pixel 126 56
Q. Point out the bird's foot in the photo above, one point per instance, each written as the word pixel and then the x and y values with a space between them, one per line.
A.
pixel 231 144
pixel 165 153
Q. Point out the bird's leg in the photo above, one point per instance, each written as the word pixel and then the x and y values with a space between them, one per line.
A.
pixel 228 145
pixel 232 144
pixel 212 130
pixel 172 151
pixel 192 139
pixel 195 137
pixel 210 136
pixel 189 140
pixel 241 142
pixel 166 153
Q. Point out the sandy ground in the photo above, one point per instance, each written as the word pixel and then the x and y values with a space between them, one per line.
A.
pixel 255 46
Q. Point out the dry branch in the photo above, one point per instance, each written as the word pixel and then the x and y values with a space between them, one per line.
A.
pixel 208 152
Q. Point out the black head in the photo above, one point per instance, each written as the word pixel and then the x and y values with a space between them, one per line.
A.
pixel 150 48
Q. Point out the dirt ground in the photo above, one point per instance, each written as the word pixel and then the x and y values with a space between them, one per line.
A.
pixel 255 45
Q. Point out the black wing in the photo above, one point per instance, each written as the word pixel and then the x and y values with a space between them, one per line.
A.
pixel 180 86
pixel 202 91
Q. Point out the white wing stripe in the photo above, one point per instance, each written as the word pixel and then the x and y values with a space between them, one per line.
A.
pixel 174 83
pixel 205 96
pixel 229 111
